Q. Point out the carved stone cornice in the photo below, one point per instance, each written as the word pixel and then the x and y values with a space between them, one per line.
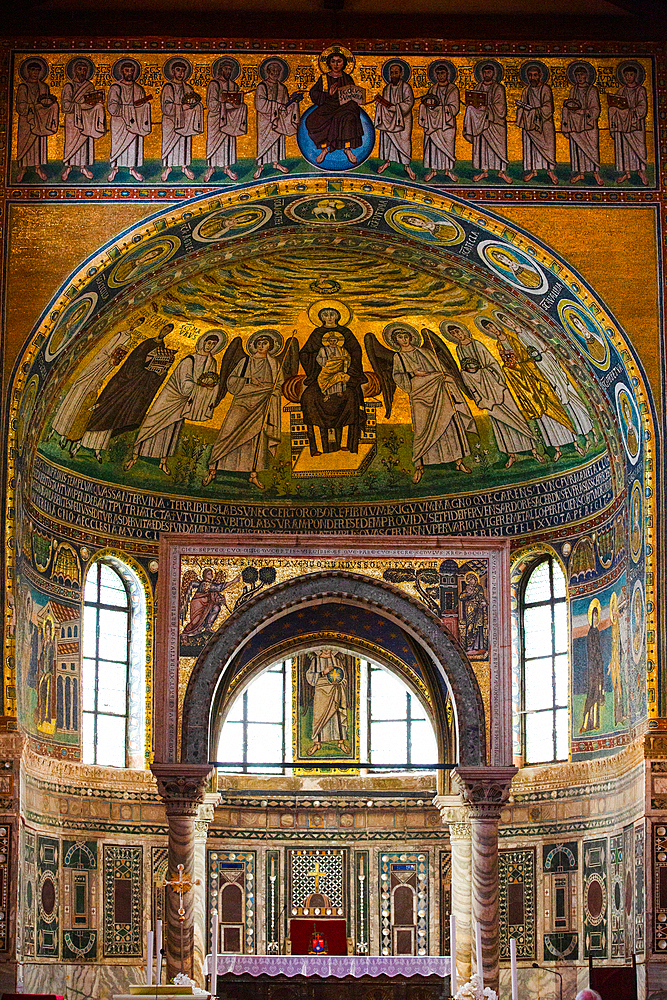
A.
pixel 182 786
pixel 485 789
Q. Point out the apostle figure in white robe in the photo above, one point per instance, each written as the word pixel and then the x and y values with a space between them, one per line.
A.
pixel 437 116
pixel 227 118
pixel 130 112
pixel 85 118
pixel 627 124
pixel 72 415
pixel 424 368
pixel 393 120
pixel 182 117
pixel 250 432
pixel 188 394
pixel 440 414
pixel 485 125
pixel 487 387
pixel 580 123
pixel 38 114
pixel 535 117
pixel 275 119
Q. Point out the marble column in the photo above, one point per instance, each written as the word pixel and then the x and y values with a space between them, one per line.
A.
pixel 485 790
pixel 454 813
pixel 182 787
pixel 202 925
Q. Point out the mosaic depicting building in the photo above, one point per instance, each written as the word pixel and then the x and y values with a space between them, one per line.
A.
pixel 333 454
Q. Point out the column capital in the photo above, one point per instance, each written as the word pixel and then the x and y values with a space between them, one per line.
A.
pixel 453 811
pixel 485 789
pixel 182 786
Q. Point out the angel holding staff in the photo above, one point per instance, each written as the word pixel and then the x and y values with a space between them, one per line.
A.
pixel 250 432
pixel 424 368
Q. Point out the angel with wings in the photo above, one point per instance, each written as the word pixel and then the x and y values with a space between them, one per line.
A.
pixel 204 599
pixel 424 368
pixel 250 432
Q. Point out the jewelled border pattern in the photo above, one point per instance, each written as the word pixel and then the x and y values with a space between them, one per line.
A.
pixel 123 939
pixel 215 863
pixel 421 862
pixel 517 868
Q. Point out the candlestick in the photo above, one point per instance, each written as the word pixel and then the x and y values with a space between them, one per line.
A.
pixel 515 985
pixel 214 953
pixel 158 952
pixel 452 954
pixel 478 949
pixel 149 958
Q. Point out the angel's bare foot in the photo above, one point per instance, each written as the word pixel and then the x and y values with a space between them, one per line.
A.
pixel 40 173
pixel 557 454
pixel 188 173
pixel 66 172
pixel 258 172
pixel 461 467
pixel 130 462
pixel 537 456
pixel 135 173
pixel 575 178
pixel 255 481
pixel 112 175
pixel 230 173
pixel 429 176
pixel 505 177
pixel 481 175
pixel 383 167
pixel 207 176
pixel 410 172
pixel 87 173
pixel 280 168
pixel 419 472
pixel 315 747
pixel 165 468
pixel 510 461
pixel 210 476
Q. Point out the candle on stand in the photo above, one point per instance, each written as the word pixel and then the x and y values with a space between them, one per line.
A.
pixel 478 949
pixel 515 984
pixel 158 952
pixel 149 958
pixel 214 953
pixel 452 954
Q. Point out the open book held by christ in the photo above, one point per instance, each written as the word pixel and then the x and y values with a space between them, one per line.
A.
pixel 351 93
pixel 476 98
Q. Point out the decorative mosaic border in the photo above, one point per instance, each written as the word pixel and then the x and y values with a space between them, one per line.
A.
pixel 517 868
pixel 123 939
pixel 215 863
pixel 421 863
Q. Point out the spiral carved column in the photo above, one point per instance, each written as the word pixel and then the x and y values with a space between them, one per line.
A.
pixel 485 790
pixel 455 814
pixel 182 788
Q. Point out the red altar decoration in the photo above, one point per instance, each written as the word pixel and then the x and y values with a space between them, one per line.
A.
pixel 334 933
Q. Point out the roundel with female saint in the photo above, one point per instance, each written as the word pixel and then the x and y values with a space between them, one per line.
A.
pixel 628 418
pixel 425 223
pixel 69 324
pixel 586 331
pixel 514 266
pixel 229 223
pixel 142 259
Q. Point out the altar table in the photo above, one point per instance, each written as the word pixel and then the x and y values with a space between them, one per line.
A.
pixel 331 977
pixel 330 966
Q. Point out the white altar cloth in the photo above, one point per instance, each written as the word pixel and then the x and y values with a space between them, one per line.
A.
pixel 325 966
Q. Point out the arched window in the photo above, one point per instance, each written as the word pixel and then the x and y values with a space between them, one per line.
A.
pixel 113 677
pixel 391 725
pixel 543 632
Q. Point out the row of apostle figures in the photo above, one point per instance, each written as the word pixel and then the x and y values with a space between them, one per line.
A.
pixel 530 401
pixel 331 124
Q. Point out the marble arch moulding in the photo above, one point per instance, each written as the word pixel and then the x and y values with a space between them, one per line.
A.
pixel 277 253
pixel 318 569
